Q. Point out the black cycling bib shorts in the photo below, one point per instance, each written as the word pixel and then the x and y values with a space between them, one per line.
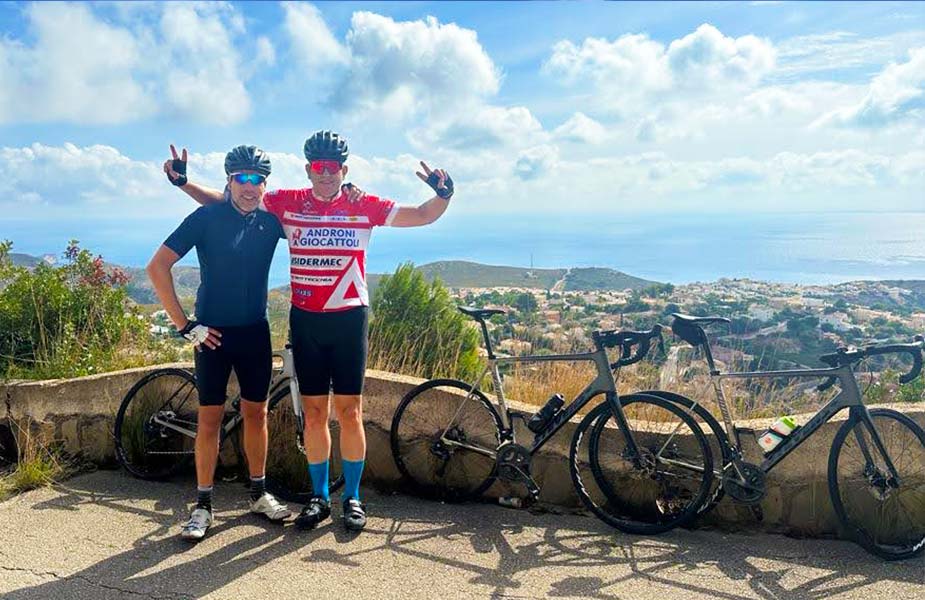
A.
pixel 329 350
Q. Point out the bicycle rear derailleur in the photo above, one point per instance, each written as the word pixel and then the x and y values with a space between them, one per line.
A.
pixel 513 463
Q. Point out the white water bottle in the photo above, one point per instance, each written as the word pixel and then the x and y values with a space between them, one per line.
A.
pixel 771 438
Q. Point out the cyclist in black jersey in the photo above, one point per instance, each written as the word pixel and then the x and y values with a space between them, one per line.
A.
pixel 235 243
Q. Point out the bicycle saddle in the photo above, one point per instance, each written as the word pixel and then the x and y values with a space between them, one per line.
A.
pixel 688 319
pixel 480 313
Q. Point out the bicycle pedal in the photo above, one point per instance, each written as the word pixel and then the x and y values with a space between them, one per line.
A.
pixel 757 512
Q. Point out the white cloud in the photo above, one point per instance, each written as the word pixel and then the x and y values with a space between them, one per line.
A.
pixel 68 178
pixel 633 70
pixel 582 129
pixel 79 69
pixel 75 66
pixel 407 68
pixel 208 88
pixel 815 54
pixel 266 53
pixel 896 93
pixel 536 177
pixel 536 163
pixel 313 44
pixel 777 100
pixel 706 57
pixel 486 127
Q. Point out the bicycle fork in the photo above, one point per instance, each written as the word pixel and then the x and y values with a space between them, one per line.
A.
pixel 881 483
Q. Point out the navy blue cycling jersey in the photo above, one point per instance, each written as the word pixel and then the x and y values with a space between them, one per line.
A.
pixel 234 252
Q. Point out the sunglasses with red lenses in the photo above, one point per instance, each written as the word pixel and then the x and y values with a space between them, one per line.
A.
pixel 320 166
pixel 251 178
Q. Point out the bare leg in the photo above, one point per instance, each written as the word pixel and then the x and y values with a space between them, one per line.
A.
pixel 208 424
pixel 317 436
pixel 255 436
pixel 349 410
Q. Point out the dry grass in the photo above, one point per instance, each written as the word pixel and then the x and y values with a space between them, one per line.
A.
pixel 535 383
pixel 38 463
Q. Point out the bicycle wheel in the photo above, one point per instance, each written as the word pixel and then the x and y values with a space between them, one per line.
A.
pixel 716 436
pixel 444 439
pixel 661 490
pixel 888 521
pixel 287 470
pixel 155 430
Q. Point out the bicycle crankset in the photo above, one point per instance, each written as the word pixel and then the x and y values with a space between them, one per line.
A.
pixel 513 461
pixel 750 488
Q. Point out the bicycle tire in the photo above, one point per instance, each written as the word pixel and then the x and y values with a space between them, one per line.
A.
pixel 719 447
pixel 418 452
pixel 144 448
pixel 857 501
pixel 641 502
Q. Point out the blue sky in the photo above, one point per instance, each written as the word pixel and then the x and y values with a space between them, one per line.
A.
pixel 551 108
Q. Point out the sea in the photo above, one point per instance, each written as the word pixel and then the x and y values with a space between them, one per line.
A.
pixel 805 247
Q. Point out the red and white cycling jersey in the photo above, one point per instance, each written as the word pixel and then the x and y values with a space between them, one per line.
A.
pixel 327 245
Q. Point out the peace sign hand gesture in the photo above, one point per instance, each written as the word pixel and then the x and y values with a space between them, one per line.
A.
pixel 438 179
pixel 175 168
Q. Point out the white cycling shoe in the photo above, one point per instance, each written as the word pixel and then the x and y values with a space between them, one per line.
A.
pixel 195 529
pixel 268 506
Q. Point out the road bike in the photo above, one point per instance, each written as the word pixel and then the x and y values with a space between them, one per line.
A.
pixel 876 464
pixel 155 428
pixel 450 441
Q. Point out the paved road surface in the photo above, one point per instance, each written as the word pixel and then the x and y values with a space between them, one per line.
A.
pixel 105 535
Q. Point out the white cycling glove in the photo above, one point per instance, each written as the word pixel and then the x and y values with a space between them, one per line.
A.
pixel 195 332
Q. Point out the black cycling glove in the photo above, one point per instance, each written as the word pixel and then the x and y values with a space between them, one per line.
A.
pixel 179 166
pixel 444 192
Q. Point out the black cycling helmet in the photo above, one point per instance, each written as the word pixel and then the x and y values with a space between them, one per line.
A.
pixel 326 145
pixel 247 158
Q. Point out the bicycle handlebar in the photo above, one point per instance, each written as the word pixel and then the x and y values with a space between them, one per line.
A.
pixel 627 341
pixel 849 355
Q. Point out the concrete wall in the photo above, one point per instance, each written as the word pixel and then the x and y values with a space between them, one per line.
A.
pixel 79 414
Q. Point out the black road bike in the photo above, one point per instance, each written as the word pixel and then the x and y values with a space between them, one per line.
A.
pixel 155 429
pixel 876 465
pixel 450 441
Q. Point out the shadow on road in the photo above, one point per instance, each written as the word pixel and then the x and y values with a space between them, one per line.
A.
pixel 502 550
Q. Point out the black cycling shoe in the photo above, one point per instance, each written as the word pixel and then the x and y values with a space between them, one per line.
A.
pixel 317 510
pixel 354 514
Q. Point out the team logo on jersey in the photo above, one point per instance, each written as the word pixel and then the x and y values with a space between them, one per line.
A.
pixel 351 289
pixel 313 279
pixel 333 263
pixel 325 237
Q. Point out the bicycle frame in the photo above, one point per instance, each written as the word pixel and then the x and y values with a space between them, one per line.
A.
pixel 848 397
pixel 603 383
pixel 287 374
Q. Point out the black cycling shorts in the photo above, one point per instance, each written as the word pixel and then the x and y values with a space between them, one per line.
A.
pixel 248 351
pixel 329 350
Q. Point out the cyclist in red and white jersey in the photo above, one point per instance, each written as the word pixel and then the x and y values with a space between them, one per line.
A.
pixel 328 227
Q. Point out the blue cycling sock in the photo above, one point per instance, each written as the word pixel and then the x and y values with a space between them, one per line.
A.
pixel 353 470
pixel 320 472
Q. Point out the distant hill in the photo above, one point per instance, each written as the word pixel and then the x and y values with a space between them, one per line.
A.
pixel 596 278
pixel 460 273
pixel 25 260
pixel 139 288
pixel 453 274
pixel 872 294
pixel 185 279
pixel 463 274
pixel 913 285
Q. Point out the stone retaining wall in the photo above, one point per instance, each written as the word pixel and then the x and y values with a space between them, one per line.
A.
pixel 79 414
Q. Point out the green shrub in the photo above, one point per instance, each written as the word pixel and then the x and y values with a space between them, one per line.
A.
pixel 69 320
pixel 416 330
